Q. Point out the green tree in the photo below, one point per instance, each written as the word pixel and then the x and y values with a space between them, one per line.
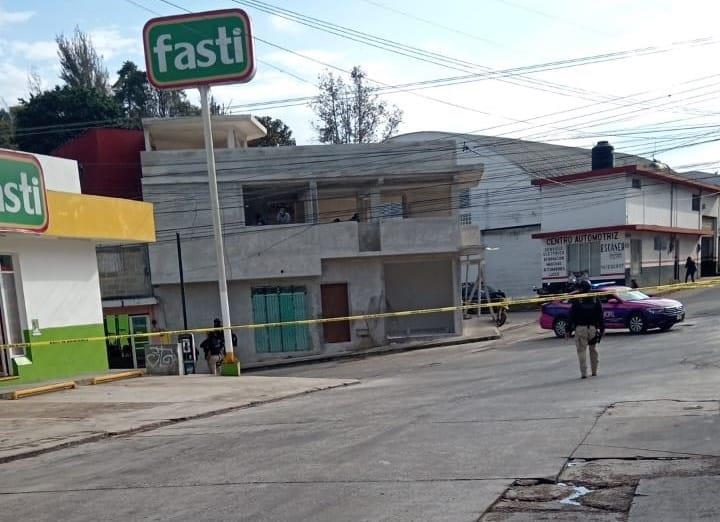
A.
pixel 352 112
pixel 46 120
pixel 134 94
pixel 7 140
pixel 278 134
pixel 80 64
pixel 170 104
pixel 139 99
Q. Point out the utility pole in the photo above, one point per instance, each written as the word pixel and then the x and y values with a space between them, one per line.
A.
pixel 182 279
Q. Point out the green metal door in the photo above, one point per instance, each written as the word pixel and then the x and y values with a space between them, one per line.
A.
pixel 262 338
pixel 280 304
pixel 140 324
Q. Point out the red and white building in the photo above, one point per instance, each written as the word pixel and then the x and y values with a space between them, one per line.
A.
pixel 624 223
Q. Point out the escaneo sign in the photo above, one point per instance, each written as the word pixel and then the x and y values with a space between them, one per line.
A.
pixel 200 48
pixel 23 201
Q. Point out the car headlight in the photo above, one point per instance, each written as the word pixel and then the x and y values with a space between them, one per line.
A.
pixel 654 310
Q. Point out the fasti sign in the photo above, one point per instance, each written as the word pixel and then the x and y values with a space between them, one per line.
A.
pixel 199 49
pixel 23 202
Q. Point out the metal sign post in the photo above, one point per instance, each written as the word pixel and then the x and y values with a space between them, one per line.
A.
pixel 217 227
pixel 199 50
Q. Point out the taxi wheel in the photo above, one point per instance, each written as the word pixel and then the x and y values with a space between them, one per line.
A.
pixel 560 326
pixel 637 324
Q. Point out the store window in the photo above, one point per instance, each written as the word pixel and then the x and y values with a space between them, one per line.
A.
pixel 464 202
pixel 584 258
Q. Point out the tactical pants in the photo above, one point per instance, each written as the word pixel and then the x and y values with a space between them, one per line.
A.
pixel 583 336
pixel 212 361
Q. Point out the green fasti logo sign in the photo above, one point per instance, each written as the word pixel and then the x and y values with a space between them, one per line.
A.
pixel 23 201
pixel 197 49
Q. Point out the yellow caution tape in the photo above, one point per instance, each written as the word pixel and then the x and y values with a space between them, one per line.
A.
pixel 706 283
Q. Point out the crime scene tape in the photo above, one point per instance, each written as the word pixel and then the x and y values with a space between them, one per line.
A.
pixel 706 283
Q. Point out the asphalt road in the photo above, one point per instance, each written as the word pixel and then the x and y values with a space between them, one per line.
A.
pixel 429 435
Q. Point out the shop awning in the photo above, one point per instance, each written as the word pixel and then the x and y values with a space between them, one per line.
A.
pixel 107 220
pixel 627 228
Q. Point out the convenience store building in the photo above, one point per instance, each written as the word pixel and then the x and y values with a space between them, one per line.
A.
pixel 49 284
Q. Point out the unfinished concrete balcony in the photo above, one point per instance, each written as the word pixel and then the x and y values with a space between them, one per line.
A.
pixel 297 250
pixel 391 237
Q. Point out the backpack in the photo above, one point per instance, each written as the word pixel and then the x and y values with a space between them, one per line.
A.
pixel 216 345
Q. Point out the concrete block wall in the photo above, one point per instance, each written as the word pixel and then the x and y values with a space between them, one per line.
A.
pixel 203 305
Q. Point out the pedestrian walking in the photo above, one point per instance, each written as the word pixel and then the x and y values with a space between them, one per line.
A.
pixel 690 269
pixel 588 322
pixel 213 349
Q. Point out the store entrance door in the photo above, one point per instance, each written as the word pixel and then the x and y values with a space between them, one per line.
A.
pixel 10 329
pixel 708 263
pixel 124 349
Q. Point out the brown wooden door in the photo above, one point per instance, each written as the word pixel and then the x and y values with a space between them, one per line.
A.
pixel 335 304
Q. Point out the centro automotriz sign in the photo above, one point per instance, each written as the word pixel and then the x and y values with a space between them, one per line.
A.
pixel 197 49
pixel 23 201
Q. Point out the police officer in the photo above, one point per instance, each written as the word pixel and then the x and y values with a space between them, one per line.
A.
pixel 588 321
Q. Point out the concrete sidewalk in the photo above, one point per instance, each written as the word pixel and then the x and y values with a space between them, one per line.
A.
pixel 43 423
pixel 656 460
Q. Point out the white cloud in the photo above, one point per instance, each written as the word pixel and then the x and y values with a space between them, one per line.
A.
pixel 298 63
pixel 13 83
pixel 40 50
pixel 283 24
pixel 110 43
pixel 15 17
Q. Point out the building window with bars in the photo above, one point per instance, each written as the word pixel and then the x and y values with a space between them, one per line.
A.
pixel 465 202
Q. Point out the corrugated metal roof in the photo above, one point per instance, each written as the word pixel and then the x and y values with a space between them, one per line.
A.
pixel 538 159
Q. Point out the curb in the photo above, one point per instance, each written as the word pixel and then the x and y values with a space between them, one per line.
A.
pixel 112 377
pixel 161 424
pixel 518 326
pixel 372 353
pixel 38 390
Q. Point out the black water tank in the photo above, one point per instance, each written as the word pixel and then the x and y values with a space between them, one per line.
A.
pixel 602 156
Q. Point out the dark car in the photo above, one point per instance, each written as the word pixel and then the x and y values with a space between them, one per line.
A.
pixel 623 308
pixel 496 295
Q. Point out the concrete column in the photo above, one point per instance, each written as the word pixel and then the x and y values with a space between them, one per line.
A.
pixel 376 201
pixel 457 294
pixel 232 205
pixel 231 142
pixel 314 214
pixel 148 141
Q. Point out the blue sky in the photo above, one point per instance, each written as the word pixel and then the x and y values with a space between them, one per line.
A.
pixel 641 103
